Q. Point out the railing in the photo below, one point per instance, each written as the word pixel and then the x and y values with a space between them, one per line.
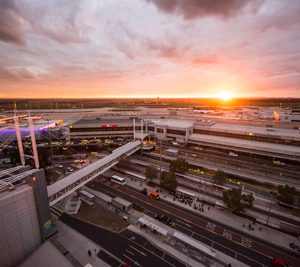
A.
pixel 56 194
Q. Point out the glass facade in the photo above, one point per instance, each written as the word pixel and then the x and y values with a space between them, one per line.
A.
pixel 177 132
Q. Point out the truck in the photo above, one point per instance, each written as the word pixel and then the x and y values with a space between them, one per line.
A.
pixel 153 194
pixel 150 193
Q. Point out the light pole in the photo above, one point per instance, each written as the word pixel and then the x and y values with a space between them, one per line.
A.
pixel 271 205
pixel 160 158
pixel 49 139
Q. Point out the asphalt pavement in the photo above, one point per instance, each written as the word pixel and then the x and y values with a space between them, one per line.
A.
pixel 127 246
pixel 245 248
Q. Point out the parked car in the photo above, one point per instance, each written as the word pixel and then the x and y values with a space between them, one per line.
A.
pixel 70 169
pixel 78 161
pixel 294 246
pixel 276 262
pixel 144 191
pixel 151 184
pixel 278 162
pixel 58 165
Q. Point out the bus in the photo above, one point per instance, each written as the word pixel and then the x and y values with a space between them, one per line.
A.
pixel 87 197
pixel 118 180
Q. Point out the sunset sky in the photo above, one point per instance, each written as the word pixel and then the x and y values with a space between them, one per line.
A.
pixel 149 48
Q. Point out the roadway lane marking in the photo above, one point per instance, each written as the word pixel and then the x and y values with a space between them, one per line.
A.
pixel 130 252
pixel 135 262
pixel 246 242
pixel 197 225
pixel 142 253
pixel 227 234
pixel 250 259
pixel 180 226
pixel 179 221
pixel 211 226
pixel 148 212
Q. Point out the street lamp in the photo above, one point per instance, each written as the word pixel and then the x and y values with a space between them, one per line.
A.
pixel 160 158
pixel 273 194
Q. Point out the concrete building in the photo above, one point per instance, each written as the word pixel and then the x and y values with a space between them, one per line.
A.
pixel 178 130
pixel 285 142
pixel 47 255
pixel 97 128
pixel 25 220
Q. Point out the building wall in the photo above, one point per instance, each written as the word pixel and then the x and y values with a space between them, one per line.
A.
pixel 19 226
pixel 39 186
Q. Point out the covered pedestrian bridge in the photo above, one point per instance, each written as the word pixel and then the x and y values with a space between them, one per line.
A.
pixel 71 183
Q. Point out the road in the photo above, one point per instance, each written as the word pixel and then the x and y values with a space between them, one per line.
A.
pixel 190 185
pixel 233 171
pixel 127 246
pixel 247 164
pixel 241 157
pixel 245 248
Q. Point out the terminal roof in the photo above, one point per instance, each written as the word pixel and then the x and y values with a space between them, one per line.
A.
pixel 140 135
pixel 194 243
pixel 99 122
pixel 246 129
pixel 173 123
pixel 153 226
pixel 247 144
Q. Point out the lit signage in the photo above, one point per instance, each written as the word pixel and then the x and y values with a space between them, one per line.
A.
pixel 47 226
pixel 109 125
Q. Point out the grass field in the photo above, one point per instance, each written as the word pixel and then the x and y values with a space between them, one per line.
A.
pixel 100 216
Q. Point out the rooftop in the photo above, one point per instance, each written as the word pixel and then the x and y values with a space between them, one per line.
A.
pixel 7 194
pixel 99 122
pixel 292 151
pixel 173 123
pixel 38 124
pixel 245 129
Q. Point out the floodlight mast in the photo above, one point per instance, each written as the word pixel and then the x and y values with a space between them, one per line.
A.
pixel 33 143
pixel 19 139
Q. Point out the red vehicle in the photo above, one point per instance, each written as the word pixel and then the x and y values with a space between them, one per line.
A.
pixel 153 194
pixel 278 263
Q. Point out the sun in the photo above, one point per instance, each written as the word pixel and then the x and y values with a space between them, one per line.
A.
pixel 225 95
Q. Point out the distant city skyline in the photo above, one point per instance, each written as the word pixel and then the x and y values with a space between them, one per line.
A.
pixel 149 48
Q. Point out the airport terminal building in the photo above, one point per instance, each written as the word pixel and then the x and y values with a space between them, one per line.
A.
pixel 179 130
pixel 264 140
pixel 25 220
pixel 95 128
